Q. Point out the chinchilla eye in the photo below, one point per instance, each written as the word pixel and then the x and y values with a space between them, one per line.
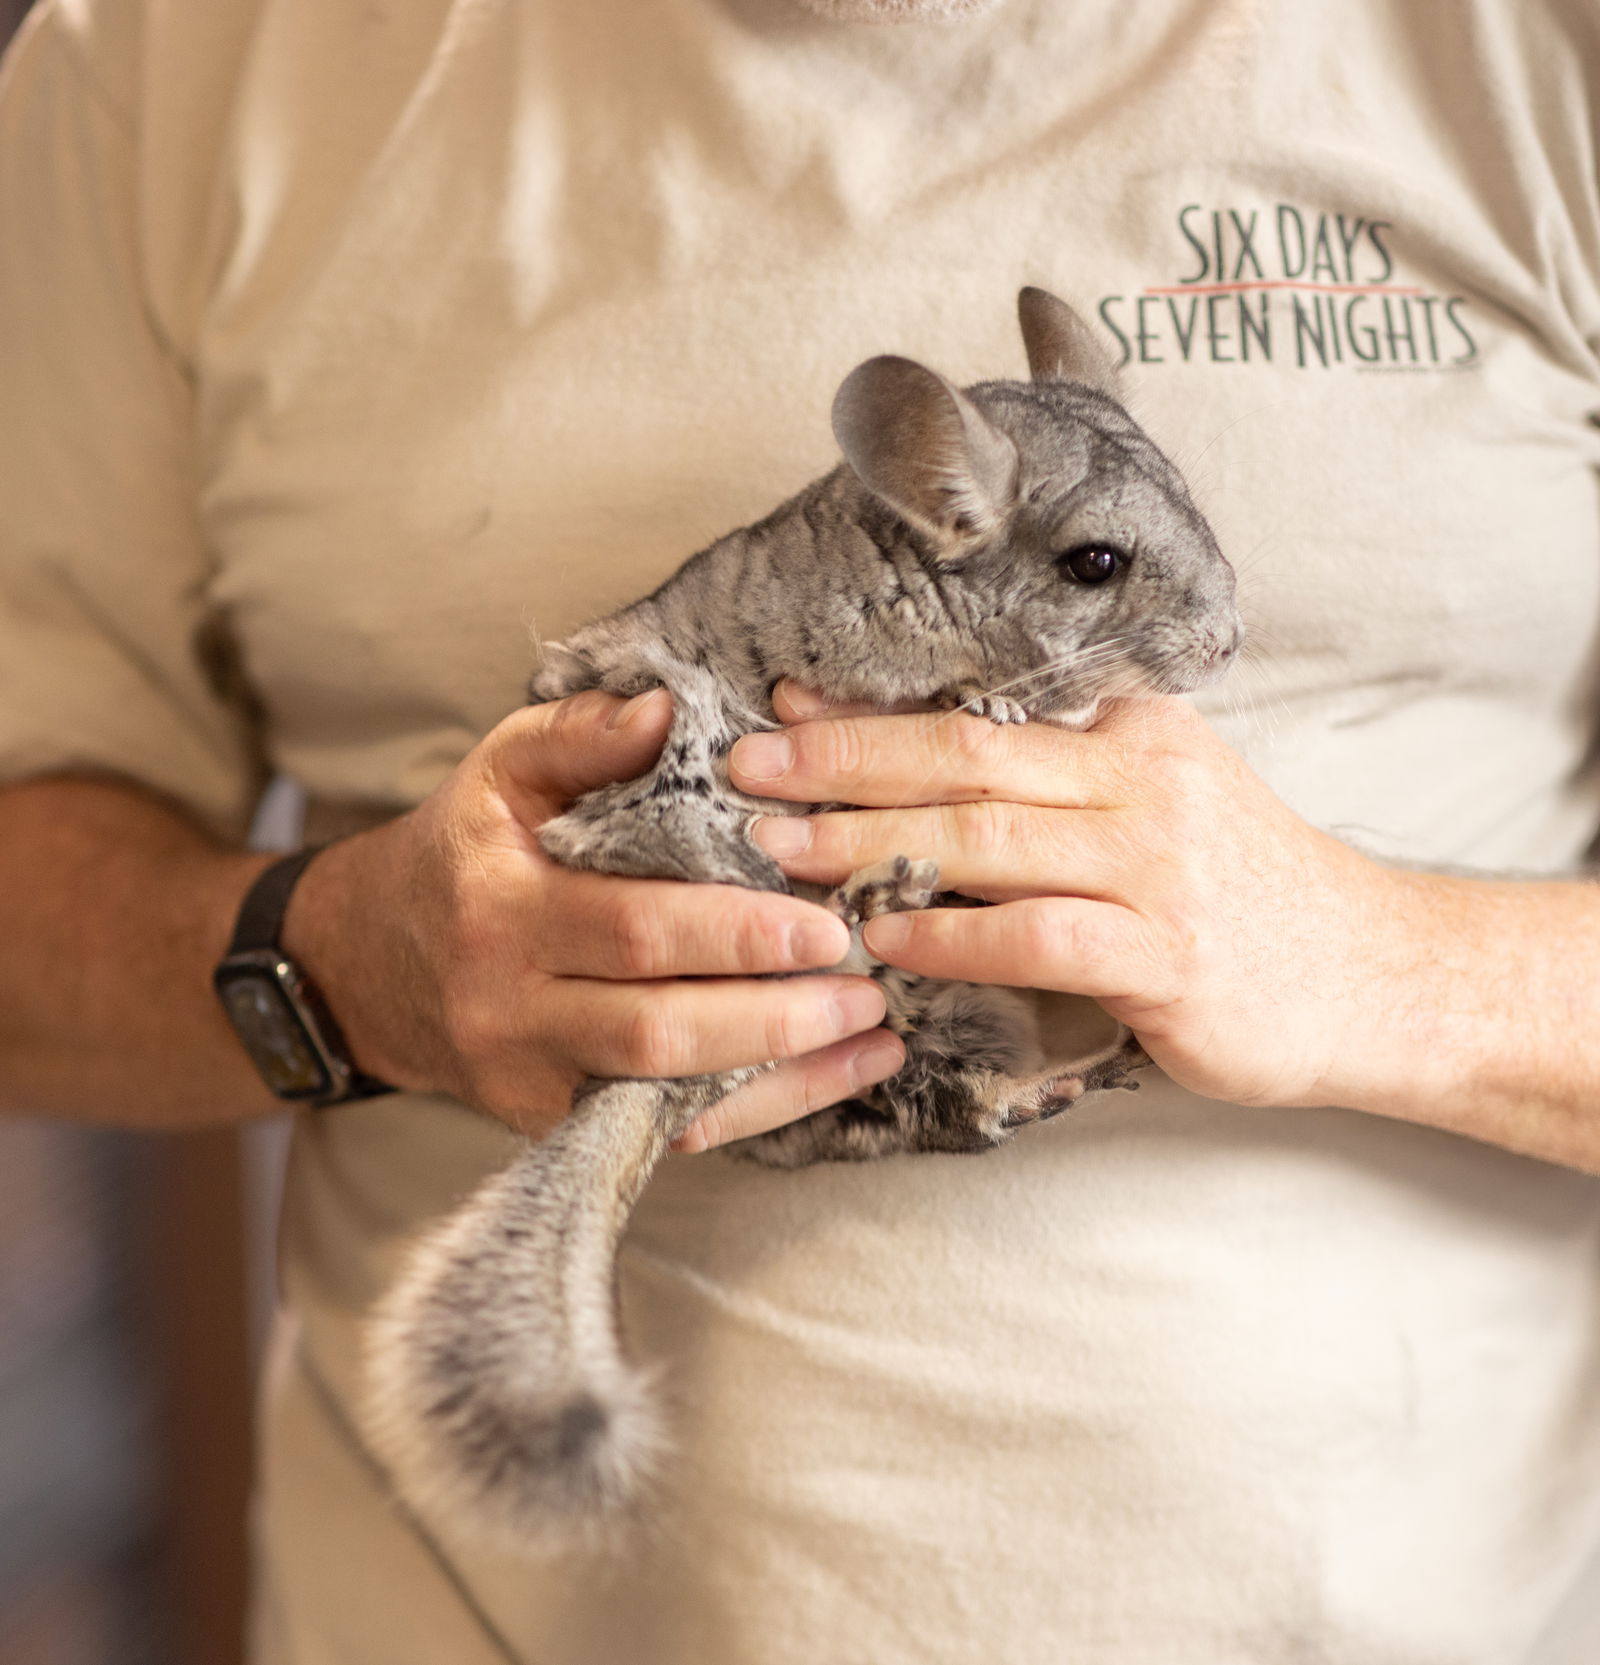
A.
pixel 1092 563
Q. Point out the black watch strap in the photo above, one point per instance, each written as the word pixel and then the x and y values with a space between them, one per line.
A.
pixel 255 936
pixel 260 921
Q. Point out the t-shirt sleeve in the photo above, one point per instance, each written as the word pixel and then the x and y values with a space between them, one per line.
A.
pixel 111 658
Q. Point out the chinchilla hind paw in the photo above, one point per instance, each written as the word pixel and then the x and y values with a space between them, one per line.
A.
pixel 1040 1097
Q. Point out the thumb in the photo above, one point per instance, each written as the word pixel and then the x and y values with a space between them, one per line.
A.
pixel 559 751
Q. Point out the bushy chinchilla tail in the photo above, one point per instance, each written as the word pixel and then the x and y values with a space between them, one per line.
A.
pixel 498 1392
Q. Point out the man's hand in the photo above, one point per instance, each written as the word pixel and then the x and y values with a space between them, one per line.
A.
pixel 1140 862
pixel 459 958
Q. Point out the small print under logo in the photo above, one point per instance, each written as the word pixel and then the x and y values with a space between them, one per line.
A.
pixel 1283 285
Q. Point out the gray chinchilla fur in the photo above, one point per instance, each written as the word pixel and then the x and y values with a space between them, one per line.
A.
pixel 1018 549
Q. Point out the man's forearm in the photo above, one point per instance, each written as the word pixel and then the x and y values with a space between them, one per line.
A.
pixel 114 909
pixel 458 958
pixel 1486 1015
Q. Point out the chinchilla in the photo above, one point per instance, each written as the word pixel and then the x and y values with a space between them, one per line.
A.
pixel 1021 550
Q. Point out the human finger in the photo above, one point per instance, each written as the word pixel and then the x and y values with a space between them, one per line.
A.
pixel 598 925
pixel 797 1088
pixel 554 753
pixel 795 703
pixel 922 758
pixel 1052 942
pixel 701 1026
pixel 997 851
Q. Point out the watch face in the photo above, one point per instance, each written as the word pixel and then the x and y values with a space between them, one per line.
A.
pixel 272 1032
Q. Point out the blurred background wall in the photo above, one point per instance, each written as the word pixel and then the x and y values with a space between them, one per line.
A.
pixel 135 1287
pixel 135 1292
pixel 77 1489
pixel 125 1372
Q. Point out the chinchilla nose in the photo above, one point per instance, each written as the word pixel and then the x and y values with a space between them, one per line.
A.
pixel 1219 650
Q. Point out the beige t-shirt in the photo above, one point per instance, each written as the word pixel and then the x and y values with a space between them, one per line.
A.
pixel 344 347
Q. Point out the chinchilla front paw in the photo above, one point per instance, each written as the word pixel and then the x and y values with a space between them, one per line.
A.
pixel 898 885
pixel 970 696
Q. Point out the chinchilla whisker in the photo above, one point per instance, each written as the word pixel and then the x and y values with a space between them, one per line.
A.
pixel 1248 561
pixel 1253 663
pixel 1260 708
pixel 1245 416
pixel 1099 657
pixel 1079 659
pixel 1104 661
pixel 1092 658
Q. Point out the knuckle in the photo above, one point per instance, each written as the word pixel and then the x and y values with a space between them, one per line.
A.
pixel 1181 718
pixel 556 721
pixel 822 1086
pixel 760 942
pixel 1179 816
pixel 837 749
pixel 500 1097
pixel 523 722
pixel 1046 934
pixel 1179 775
pixel 636 936
pixel 473 1028
pixel 1188 947
pixel 572 716
pixel 515 730
pixel 524 1101
pixel 975 740
pixel 791 1028
pixel 654 1041
pixel 1074 934
pixel 984 829
pixel 562 727
pixel 711 1127
pixel 697 1137
pixel 468 907
pixel 470 927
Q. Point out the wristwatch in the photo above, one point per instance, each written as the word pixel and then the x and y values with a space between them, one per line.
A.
pixel 274 1007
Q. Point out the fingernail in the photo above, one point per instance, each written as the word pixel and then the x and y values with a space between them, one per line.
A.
pixel 763 756
pixel 860 1006
pixel 782 835
pixel 806 702
pixel 694 1139
pixel 816 942
pixel 876 1062
pixel 629 709
pixel 886 933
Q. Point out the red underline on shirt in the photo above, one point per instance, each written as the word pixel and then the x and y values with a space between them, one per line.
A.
pixel 1284 283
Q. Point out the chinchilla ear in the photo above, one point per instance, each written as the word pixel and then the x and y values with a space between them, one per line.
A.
pixel 925 449
pixel 1061 347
